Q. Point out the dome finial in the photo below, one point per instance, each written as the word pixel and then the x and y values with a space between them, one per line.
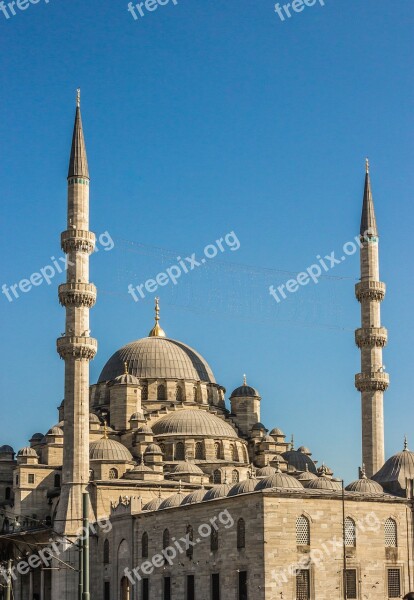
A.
pixel 277 465
pixel 126 368
pixel 105 437
pixel 405 444
pixel 78 92
pixel 244 379
pixel 157 331
pixel 363 472
pixel 367 166
pixel 292 443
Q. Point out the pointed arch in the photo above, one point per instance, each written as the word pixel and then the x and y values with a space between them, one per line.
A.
pixel 241 534
pixel 302 531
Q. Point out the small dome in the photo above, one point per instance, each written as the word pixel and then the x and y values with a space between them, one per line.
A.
pixel 37 437
pixel 125 379
pixel 193 422
pixel 279 480
pixel 28 452
pixel 6 449
pixel 141 468
pixel 145 429
pixel 187 468
pixel 299 460
pixel 55 431
pixel 365 486
pixel 324 470
pixel 153 449
pixel 244 487
pixel 258 427
pixel 171 501
pixel 93 418
pixel 153 504
pixel 266 471
pixel 304 450
pixel 324 483
pixel 306 476
pixel 109 450
pixel 393 475
pixel 245 391
pixel 217 491
pixel 268 438
pixel 277 432
pixel 194 497
pixel 137 416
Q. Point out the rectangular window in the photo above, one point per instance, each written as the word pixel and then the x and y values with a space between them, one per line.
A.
pixel 351 584
pixel 167 588
pixel 242 585
pixel 215 586
pixel 303 585
pixel 31 478
pixel 394 583
pixel 145 589
pixel 107 590
pixel 190 587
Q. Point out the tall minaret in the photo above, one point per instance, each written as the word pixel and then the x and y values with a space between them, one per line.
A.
pixel 76 347
pixel 371 338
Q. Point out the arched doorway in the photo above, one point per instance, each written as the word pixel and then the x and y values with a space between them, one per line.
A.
pixel 125 589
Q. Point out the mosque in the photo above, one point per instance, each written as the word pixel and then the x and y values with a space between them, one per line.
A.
pixel 192 497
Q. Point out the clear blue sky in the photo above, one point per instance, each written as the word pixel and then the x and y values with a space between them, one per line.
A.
pixel 201 119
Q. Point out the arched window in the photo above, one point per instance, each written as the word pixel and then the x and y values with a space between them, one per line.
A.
pixel 235 476
pixel 302 531
pixel 7 493
pixel 144 391
pixel 106 552
pixel 190 537
pixel 113 474
pixel 91 475
pixel 217 476
pixel 350 532
pixel 57 481
pixel 199 451
pixel 144 545
pixel 125 589
pixel 234 453
pixel 214 540
pixel 180 451
pixel 390 531
pixel 195 394
pixel 161 392
pixel 241 534
pixel 179 393
pixel 162 448
pixel 217 450
pixel 165 539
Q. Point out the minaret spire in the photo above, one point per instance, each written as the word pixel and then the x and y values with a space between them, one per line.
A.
pixel 76 347
pixel 371 338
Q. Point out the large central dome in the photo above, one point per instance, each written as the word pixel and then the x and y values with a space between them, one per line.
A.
pixel 158 358
pixel 196 422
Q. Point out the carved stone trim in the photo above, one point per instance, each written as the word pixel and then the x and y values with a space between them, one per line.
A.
pixel 77 294
pixel 373 337
pixel 370 290
pixel 78 347
pixel 75 240
pixel 372 382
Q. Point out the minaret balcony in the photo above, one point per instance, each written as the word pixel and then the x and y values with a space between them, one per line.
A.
pixel 76 240
pixel 78 347
pixel 77 294
pixel 374 381
pixel 371 337
pixel 370 290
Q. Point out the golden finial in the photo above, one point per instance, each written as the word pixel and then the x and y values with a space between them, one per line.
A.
pixel 126 368
pixel 367 166
pixel 156 331
pixel 244 379
pixel 78 97
pixel 105 431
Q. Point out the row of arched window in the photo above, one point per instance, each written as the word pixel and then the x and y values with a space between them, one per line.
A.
pixel 303 534
pixel 166 539
pixel 218 476
pixel 179 393
pixel 199 451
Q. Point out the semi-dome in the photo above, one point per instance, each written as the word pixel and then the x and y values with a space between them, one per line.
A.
pixel 299 460
pixel 153 449
pixel 365 486
pixel 158 358
pixel 171 501
pixel 266 471
pixel 27 452
pixel 145 429
pixel 193 422
pixel 306 476
pixel 244 487
pixel 153 504
pixel 324 483
pixel 395 472
pixel 109 450
pixel 186 468
pixel 55 431
pixel 217 491
pixel 279 480
pixel 194 497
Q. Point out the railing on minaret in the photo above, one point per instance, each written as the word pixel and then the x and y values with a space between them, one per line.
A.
pixel 371 338
pixel 76 347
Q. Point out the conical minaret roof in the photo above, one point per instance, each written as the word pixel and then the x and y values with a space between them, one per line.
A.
pixel 78 164
pixel 368 221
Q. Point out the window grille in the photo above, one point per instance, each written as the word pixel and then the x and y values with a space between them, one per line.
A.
pixel 113 474
pixel 302 585
pixel 235 476
pixel 390 530
pixel 394 583
pixel 241 533
pixel 199 451
pixel 351 584
pixel 302 531
pixel 350 532
pixel 217 476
